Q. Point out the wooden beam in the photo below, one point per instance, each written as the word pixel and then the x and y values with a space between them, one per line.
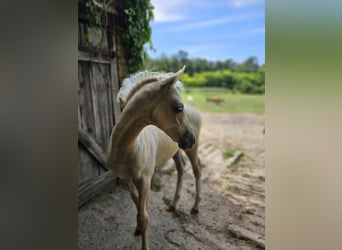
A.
pixel 97 51
pixel 94 187
pixel 87 57
pixel 114 80
pixel 91 145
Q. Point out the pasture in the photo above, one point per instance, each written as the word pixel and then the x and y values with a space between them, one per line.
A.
pixel 232 102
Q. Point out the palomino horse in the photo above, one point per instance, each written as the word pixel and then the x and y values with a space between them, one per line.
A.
pixel 152 127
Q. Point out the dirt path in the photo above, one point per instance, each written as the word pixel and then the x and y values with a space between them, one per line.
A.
pixel 233 197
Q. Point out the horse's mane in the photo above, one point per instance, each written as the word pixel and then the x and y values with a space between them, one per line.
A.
pixel 135 82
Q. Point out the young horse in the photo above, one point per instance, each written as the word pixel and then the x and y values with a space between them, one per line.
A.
pixel 152 127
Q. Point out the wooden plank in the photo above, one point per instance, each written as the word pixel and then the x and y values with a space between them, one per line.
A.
pixel 99 86
pixel 87 121
pixel 95 52
pixel 97 37
pixel 88 57
pixel 115 86
pixel 81 97
pixel 94 90
pixel 94 187
pixel 94 41
pixel 110 109
pixel 82 32
pixel 88 166
pixel 92 147
pixel 106 106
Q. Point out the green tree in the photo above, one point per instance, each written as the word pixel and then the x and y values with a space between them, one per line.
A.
pixel 247 77
pixel 249 65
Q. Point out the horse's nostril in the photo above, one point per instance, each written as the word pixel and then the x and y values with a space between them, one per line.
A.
pixel 187 140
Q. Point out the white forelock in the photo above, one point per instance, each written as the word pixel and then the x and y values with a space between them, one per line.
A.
pixel 130 82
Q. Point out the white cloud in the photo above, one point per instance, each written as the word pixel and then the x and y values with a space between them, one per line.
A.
pixel 175 10
pixel 244 3
pixel 212 22
pixel 160 17
pixel 195 49
pixel 215 21
pixel 167 11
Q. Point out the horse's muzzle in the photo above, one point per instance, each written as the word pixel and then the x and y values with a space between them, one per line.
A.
pixel 187 140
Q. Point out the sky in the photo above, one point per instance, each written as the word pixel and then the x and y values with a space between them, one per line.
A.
pixel 210 29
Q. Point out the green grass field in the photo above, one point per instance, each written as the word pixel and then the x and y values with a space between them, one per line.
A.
pixel 233 103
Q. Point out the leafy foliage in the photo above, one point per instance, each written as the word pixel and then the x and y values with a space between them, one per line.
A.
pixel 247 77
pixel 132 20
pixel 136 31
pixel 93 14
pixel 242 82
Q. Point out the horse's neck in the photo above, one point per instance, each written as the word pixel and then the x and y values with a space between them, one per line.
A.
pixel 127 129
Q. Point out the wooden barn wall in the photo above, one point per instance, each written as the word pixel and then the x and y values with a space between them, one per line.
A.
pixel 98 87
pixel 88 167
pixel 96 101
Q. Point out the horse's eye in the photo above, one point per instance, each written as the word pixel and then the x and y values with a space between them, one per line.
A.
pixel 179 108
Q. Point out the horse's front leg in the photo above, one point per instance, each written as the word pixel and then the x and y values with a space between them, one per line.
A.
pixel 143 186
pixel 179 162
pixel 196 167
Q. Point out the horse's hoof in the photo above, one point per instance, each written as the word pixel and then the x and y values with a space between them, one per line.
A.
pixel 194 211
pixel 137 232
pixel 171 209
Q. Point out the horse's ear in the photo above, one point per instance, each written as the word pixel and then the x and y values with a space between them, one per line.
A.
pixel 172 79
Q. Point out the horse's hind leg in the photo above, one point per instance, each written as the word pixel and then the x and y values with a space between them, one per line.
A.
pixel 196 167
pixel 179 161
pixel 135 199
pixel 143 185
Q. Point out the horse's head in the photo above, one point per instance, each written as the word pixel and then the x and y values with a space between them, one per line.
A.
pixel 168 112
